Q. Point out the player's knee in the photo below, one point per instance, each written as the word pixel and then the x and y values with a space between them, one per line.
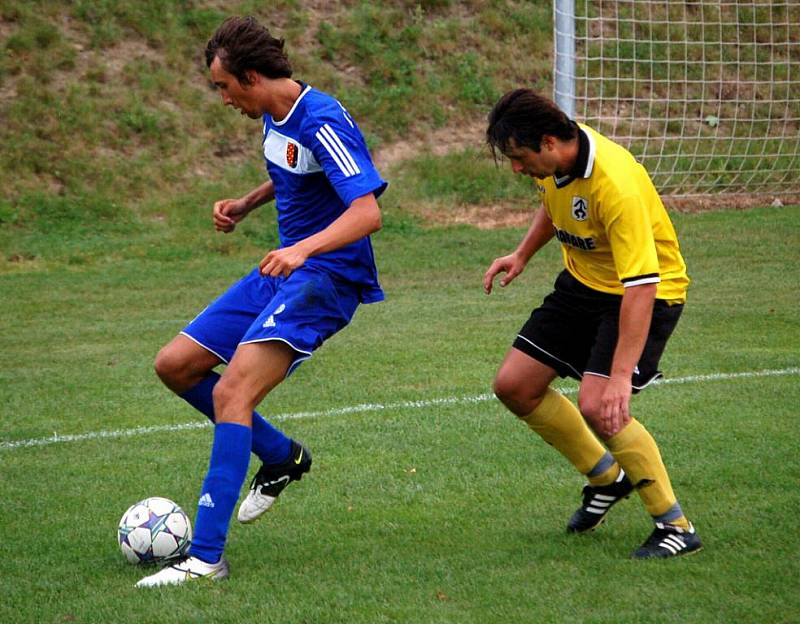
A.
pixel 590 409
pixel 223 395
pixel 179 371
pixel 230 402
pixel 167 367
pixel 505 388
pixel 515 394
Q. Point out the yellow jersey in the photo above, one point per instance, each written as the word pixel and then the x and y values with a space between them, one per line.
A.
pixel 613 228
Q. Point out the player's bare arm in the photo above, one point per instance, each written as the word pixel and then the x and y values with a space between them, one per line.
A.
pixel 636 312
pixel 362 218
pixel 228 212
pixel 540 232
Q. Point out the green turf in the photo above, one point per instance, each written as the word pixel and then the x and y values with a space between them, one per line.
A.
pixel 417 513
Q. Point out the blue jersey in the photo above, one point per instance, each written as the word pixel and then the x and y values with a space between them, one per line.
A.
pixel 319 163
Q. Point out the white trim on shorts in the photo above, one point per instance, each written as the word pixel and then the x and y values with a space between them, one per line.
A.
pixel 304 355
pixel 535 346
pixel 655 376
pixel 196 341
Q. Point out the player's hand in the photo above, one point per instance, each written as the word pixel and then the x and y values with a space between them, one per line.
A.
pixel 282 261
pixel 614 414
pixel 512 265
pixel 227 213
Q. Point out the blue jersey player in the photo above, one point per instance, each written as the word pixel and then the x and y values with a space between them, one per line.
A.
pixel 325 187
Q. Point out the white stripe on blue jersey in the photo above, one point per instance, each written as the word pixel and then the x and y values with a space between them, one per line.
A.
pixel 328 137
pixel 343 149
pixel 325 142
pixel 346 114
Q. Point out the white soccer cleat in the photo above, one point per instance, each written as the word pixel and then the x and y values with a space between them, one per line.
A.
pixel 254 505
pixel 186 569
pixel 270 481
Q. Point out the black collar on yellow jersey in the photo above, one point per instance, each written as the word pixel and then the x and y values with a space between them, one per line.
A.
pixel 584 163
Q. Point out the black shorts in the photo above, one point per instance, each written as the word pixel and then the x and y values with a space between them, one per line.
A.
pixel 575 330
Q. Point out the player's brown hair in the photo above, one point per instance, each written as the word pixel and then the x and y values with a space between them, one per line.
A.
pixel 525 116
pixel 242 44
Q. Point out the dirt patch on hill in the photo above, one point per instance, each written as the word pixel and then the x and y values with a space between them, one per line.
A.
pixel 707 203
pixel 437 142
pixel 491 217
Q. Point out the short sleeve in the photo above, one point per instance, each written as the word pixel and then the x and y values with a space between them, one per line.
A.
pixel 341 151
pixel 633 246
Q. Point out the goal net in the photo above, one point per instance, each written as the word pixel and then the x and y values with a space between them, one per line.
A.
pixel 706 94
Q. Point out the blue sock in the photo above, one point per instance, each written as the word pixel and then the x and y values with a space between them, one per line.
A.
pixel 227 469
pixel 270 444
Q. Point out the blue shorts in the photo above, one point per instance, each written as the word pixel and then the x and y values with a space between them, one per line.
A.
pixel 302 310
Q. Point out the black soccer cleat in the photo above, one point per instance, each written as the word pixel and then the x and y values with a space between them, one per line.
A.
pixel 271 480
pixel 668 540
pixel 597 500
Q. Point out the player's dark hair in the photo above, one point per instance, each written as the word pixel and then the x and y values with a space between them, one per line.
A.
pixel 242 44
pixel 525 116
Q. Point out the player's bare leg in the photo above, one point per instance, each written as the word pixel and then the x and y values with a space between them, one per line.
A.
pixel 254 371
pixel 523 385
pixel 182 363
pixel 186 368
pixel 521 382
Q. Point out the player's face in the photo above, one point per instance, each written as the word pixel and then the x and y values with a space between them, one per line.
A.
pixel 526 161
pixel 233 92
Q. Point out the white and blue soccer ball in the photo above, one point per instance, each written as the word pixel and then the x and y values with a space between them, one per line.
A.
pixel 154 530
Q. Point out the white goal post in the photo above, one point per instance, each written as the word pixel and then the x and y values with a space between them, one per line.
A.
pixel 705 94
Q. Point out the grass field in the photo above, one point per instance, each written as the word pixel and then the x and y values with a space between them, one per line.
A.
pixel 429 503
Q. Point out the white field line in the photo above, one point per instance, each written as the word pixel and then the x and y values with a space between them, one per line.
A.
pixel 359 409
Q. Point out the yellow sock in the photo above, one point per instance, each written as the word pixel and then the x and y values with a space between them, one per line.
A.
pixel 561 425
pixel 636 451
pixel 607 477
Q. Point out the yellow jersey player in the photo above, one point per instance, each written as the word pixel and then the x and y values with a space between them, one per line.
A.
pixel 608 319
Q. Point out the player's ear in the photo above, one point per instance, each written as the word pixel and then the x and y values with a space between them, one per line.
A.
pixel 250 78
pixel 548 142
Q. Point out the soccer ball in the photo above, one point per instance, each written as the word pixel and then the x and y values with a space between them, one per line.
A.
pixel 154 530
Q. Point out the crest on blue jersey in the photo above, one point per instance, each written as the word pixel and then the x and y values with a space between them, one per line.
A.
pixel 291 154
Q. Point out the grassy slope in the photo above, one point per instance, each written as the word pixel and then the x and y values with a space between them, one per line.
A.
pixel 109 103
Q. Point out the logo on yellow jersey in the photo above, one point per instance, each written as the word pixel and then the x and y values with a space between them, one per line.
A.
pixel 580 208
pixel 586 243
